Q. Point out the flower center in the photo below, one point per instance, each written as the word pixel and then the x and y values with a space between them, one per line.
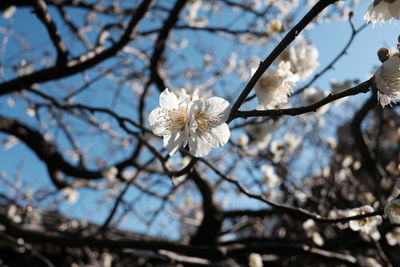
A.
pixel 364 221
pixel 177 119
pixel 204 122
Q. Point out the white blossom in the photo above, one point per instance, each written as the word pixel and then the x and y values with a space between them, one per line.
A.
pixel 383 10
pixel 303 59
pixel 392 211
pixel 207 125
pixel 170 120
pixel 255 260
pixel 366 225
pixel 387 80
pixel 269 176
pixel 110 173
pixel 70 194
pixel 274 26
pixel 195 120
pixel 275 86
pixel 368 262
pixel 9 12
pixel 393 237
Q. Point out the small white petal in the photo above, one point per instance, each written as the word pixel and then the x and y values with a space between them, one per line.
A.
pixel 157 121
pixel 168 100
pixel 173 142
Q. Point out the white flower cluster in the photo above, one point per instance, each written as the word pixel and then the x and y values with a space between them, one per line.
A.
pixel 184 119
pixel 295 63
pixel 383 10
pixel 367 225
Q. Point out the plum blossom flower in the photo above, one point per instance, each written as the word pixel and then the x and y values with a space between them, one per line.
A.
pixel 366 225
pixel 207 125
pixel 392 211
pixel 387 80
pixel 274 86
pixel 303 59
pixel 255 260
pixel 196 120
pixel 393 237
pixel 170 120
pixel 383 10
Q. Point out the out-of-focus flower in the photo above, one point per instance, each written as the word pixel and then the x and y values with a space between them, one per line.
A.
pixel 303 59
pixel 312 232
pixel 275 26
pixel 368 262
pixel 312 96
pixel 170 120
pixel 70 194
pixel 366 225
pixel 387 80
pixel 392 211
pixel 10 142
pixel 383 10
pixel 275 86
pixel 261 133
pixel 269 176
pixel 110 173
pixel 9 12
pixel 393 237
pixel 255 260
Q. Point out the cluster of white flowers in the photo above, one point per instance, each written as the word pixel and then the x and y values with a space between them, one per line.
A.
pixel 184 119
pixel 275 86
pixel 383 10
pixel 303 58
pixel 295 63
pixel 366 225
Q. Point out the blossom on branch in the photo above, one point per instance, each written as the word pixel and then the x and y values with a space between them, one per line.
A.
pixel 383 10
pixel 275 86
pixel 197 121
pixel 387 81
pixel 392 211
pixel 366 225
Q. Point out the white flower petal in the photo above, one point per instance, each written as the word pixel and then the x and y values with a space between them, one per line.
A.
pixel 158 121
pixel 199 147
pixel 220 135
pixel 218 108
pixel 173 142
pixel 168 100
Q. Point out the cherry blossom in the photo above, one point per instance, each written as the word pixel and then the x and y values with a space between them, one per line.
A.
pixel 383 10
